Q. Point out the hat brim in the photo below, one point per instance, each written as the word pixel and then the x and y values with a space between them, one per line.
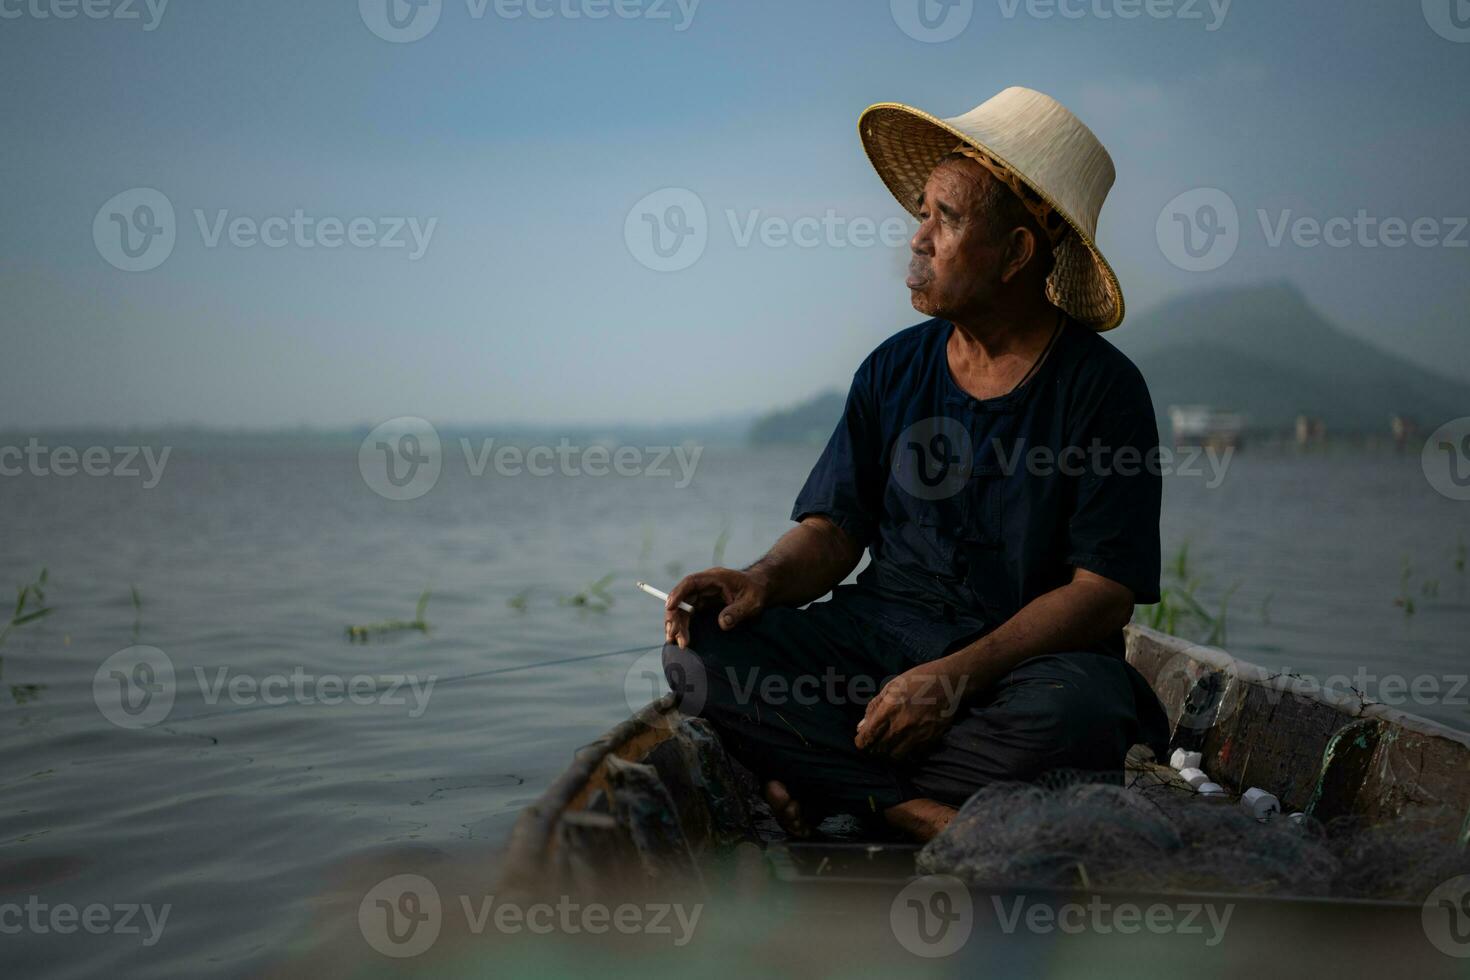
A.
pixel 905 144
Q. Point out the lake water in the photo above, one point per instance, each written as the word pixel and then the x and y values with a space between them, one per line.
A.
pixel 264 804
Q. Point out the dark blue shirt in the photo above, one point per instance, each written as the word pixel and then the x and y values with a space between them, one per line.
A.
pixel 972 508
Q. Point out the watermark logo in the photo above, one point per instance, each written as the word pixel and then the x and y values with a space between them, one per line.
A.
pixel 40 460
pixel 1450 19
pixel 686 674
pixel 401 459
pixel 401 916
pixel 1211 13
pixel 300 687
pixel 1446 459
pixel 932 21
pixel 137 687
pixel 932 916
pixel 91 9
pixel 400 21
pixel 1199 230
pixel 134 688
pixel 1103 917
pixel 1446 917
pixel 933 458
pixel 668 669
pixel 40 918
pixel 135 230
pixel 667 231
pixel 404 21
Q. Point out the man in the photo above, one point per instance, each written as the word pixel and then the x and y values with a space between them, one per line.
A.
pixel 1000 464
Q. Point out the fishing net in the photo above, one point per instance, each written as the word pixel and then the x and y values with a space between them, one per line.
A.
pixel 1158 836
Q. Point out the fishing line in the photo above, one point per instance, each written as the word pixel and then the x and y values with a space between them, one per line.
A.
pixel 438 682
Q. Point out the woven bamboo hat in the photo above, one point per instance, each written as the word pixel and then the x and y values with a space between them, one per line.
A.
pixel 1047 156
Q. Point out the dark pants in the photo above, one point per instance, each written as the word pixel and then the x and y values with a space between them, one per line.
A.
pixel 786 693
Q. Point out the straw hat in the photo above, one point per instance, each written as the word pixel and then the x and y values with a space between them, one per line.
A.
pixel 1019 133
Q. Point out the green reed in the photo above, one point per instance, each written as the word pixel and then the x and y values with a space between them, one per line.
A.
pixel 30 604
pixel 1180 611
pixel 361 634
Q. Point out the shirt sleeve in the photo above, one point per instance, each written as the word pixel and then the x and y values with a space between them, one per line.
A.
pixel 1114 526
pixel 846 484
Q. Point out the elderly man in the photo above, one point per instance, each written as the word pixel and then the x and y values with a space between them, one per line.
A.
pixel 999 464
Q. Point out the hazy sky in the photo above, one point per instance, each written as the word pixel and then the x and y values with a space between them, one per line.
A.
pixel 518 146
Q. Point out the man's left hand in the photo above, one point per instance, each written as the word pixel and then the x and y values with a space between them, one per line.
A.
pixel 912 711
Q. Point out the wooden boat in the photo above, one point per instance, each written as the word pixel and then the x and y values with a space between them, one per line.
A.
pixel 656 797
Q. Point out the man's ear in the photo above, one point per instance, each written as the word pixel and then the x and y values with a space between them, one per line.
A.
pixel 1020 248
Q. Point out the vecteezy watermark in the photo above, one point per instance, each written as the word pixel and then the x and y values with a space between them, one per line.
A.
pixel 1209 696
pixel 405 21
pixel 1420 690
pixel 1210 13
pixel 40 918
pixel 932 916
pixel 402 917
pixel 936 21
pixel 148 12
pixel 1445 916
pixel 136 230
pixel 683 672
pixel 136 688
pixel 1446 459
pixel 934 459
pixel 669 230
pixel 40 460
pixel 1450 19
pixel 1200 230
pixel 1105 916
pixel 932 21
pixel 402 459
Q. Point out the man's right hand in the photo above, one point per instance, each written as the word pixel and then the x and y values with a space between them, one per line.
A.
pixel 742 594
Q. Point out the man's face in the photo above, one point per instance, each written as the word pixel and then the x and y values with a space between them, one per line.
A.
pixel 956 252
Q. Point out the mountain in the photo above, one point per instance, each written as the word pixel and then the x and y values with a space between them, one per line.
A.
pixel 1265 352
pixel 1262 351
pixel 809 423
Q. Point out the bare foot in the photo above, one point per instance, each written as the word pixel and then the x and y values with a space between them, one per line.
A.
pixel 921 819
pixel 786 810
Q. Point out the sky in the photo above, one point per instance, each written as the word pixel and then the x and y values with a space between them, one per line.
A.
pixel 444 210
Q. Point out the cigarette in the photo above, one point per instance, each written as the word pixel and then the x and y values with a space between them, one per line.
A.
pixel 644 586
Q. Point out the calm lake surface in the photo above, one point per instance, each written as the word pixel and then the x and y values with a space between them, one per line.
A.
pixel 264 804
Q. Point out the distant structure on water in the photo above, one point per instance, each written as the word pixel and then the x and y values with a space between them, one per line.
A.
pixel 1310 431
pixel 1205 425
pixel 1405 431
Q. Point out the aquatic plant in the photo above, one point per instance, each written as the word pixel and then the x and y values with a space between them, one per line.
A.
pixel 137 612
pixel 723 539
pixel 595 596
pixel 1405 600
pixel 1179 611
pixel 32 597
pixel 361 634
